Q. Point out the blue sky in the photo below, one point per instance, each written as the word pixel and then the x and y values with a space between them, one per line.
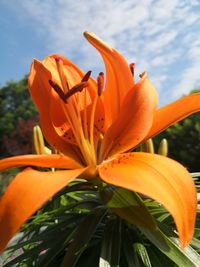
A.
pixel 160 36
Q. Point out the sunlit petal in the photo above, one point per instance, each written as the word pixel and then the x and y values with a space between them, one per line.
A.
pixel 160 178
pixel 119 79
pixel 57 116
pixel 72 73
pixel 42 95
pixel 26 194
pixel 48 161
pixel 174 112
pixel 134 120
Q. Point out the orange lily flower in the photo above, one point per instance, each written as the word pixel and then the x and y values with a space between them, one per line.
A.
pixel 93 128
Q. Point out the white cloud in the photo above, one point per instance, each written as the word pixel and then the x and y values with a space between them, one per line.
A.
pixel 190 78
pixel 162 36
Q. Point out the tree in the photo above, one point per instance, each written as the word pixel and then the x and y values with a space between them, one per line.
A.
pixel 16 109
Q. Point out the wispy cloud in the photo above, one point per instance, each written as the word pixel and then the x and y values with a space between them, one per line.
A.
pixel 162 37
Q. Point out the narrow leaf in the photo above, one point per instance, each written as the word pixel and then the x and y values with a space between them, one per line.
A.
pixel 131 258
pixel 82 237
pixel 129 206
pixel 170 247
pixel 110 250
pixel 143 254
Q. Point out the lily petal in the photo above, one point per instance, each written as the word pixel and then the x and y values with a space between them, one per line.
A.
pixel 54 122
pixel 41 93
pixel 160 178
pixel 72 73
pixel 26 194
pixel 48 161
pixel 134 120
pixel 174 112
pixel 119 79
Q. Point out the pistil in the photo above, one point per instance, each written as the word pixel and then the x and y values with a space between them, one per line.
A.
pixel 63 79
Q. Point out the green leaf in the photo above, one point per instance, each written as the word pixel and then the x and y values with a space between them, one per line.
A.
pixel 158 259
pixel 170 247
pixel 134 250
pixel 128 250
pixel 90 257
pixel 55 248
pixel 110 250
pixel 142 252
pixel 196 243
pixel 82 237
pixel 129 206
pixel 44 238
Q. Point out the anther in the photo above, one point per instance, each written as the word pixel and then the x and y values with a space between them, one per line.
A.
pixel 143 74
pixel 86 76
pixel 75 89
pixel 100 83
pixel 132 68
pixel 58 90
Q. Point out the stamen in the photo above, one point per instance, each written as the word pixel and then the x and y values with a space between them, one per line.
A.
pixel 86 76
pixel 72 111
pixel 60 67
pixel 132 68
pixel 100 83
pixel 94 104
pixel 85 122
pixel 58 90
pixel 77 88
pixel 143 74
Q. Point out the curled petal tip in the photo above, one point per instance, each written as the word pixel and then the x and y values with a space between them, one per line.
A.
pixel 85 33
pixel 89 35
pixel 96 41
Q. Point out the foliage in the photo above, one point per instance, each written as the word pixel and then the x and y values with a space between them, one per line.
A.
pixel 18 115
pixel 184 141
pixel 78 228
pixel 6 178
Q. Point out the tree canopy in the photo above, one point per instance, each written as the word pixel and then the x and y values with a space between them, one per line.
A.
pixel 17 117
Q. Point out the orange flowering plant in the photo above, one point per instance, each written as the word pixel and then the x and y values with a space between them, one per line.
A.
pixel 96 126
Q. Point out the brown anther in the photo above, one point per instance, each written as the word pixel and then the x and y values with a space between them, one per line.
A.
pixel 58 90
pixel 86 76
pixel 75 89
pixel 143 74
pixel 100 83
pixel 132 68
